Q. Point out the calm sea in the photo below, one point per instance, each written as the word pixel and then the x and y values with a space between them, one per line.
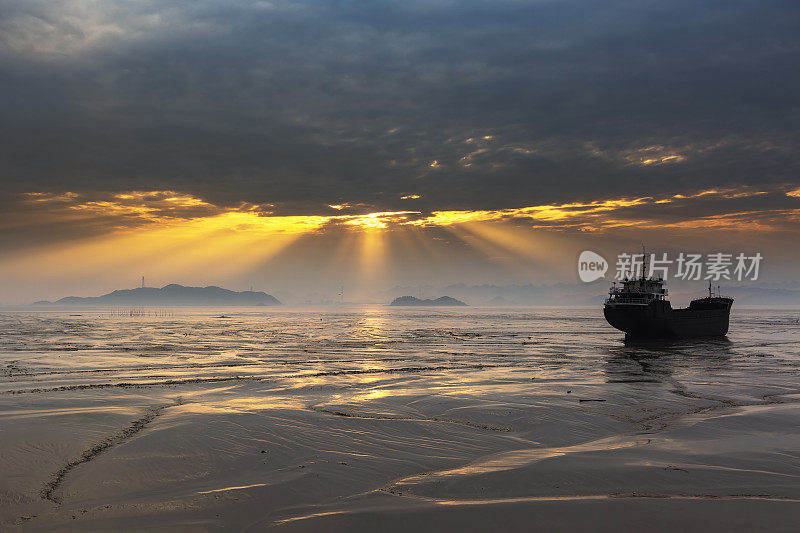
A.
pixel 469 349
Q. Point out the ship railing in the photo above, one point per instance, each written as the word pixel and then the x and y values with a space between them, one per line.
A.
pixel 618 300
pixel 623 294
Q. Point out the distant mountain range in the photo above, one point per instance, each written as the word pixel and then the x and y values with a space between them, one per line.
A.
pixel 586 294
pixel 442 301
pixel 173 294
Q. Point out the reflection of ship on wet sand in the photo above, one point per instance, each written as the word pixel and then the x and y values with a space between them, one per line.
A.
pixel 658 361
pixel 640 308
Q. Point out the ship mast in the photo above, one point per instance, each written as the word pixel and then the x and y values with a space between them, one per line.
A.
pixel 644 264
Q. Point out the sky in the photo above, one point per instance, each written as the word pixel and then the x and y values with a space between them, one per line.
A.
pixel 304 146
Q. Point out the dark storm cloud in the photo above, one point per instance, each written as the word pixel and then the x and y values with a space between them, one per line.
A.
pixel 473 105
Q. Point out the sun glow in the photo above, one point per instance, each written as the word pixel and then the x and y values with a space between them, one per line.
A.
pixel 376 221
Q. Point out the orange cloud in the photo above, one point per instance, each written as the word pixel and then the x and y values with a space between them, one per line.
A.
pixel 598 215
pixel 133 209
pixel 148 205
pixel 47 197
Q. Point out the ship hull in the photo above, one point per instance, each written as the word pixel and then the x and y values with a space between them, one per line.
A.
pixel 657 320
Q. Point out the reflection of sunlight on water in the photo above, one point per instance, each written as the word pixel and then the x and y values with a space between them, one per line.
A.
pixel 524 499
pixel 239 404
pixel 306 517
pixel 374 394
pixel 367 354
pixel 226 489
pixel 374 324
pixel 520 458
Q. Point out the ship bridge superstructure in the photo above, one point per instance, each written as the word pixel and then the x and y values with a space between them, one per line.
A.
pixel 637 291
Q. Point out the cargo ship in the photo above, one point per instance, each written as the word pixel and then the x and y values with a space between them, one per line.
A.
pixel 640 308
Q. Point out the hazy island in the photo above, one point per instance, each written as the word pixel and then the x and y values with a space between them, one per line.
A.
pixel 173 294
pixel 441 301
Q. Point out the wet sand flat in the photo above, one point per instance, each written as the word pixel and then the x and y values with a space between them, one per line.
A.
pixel 368 418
